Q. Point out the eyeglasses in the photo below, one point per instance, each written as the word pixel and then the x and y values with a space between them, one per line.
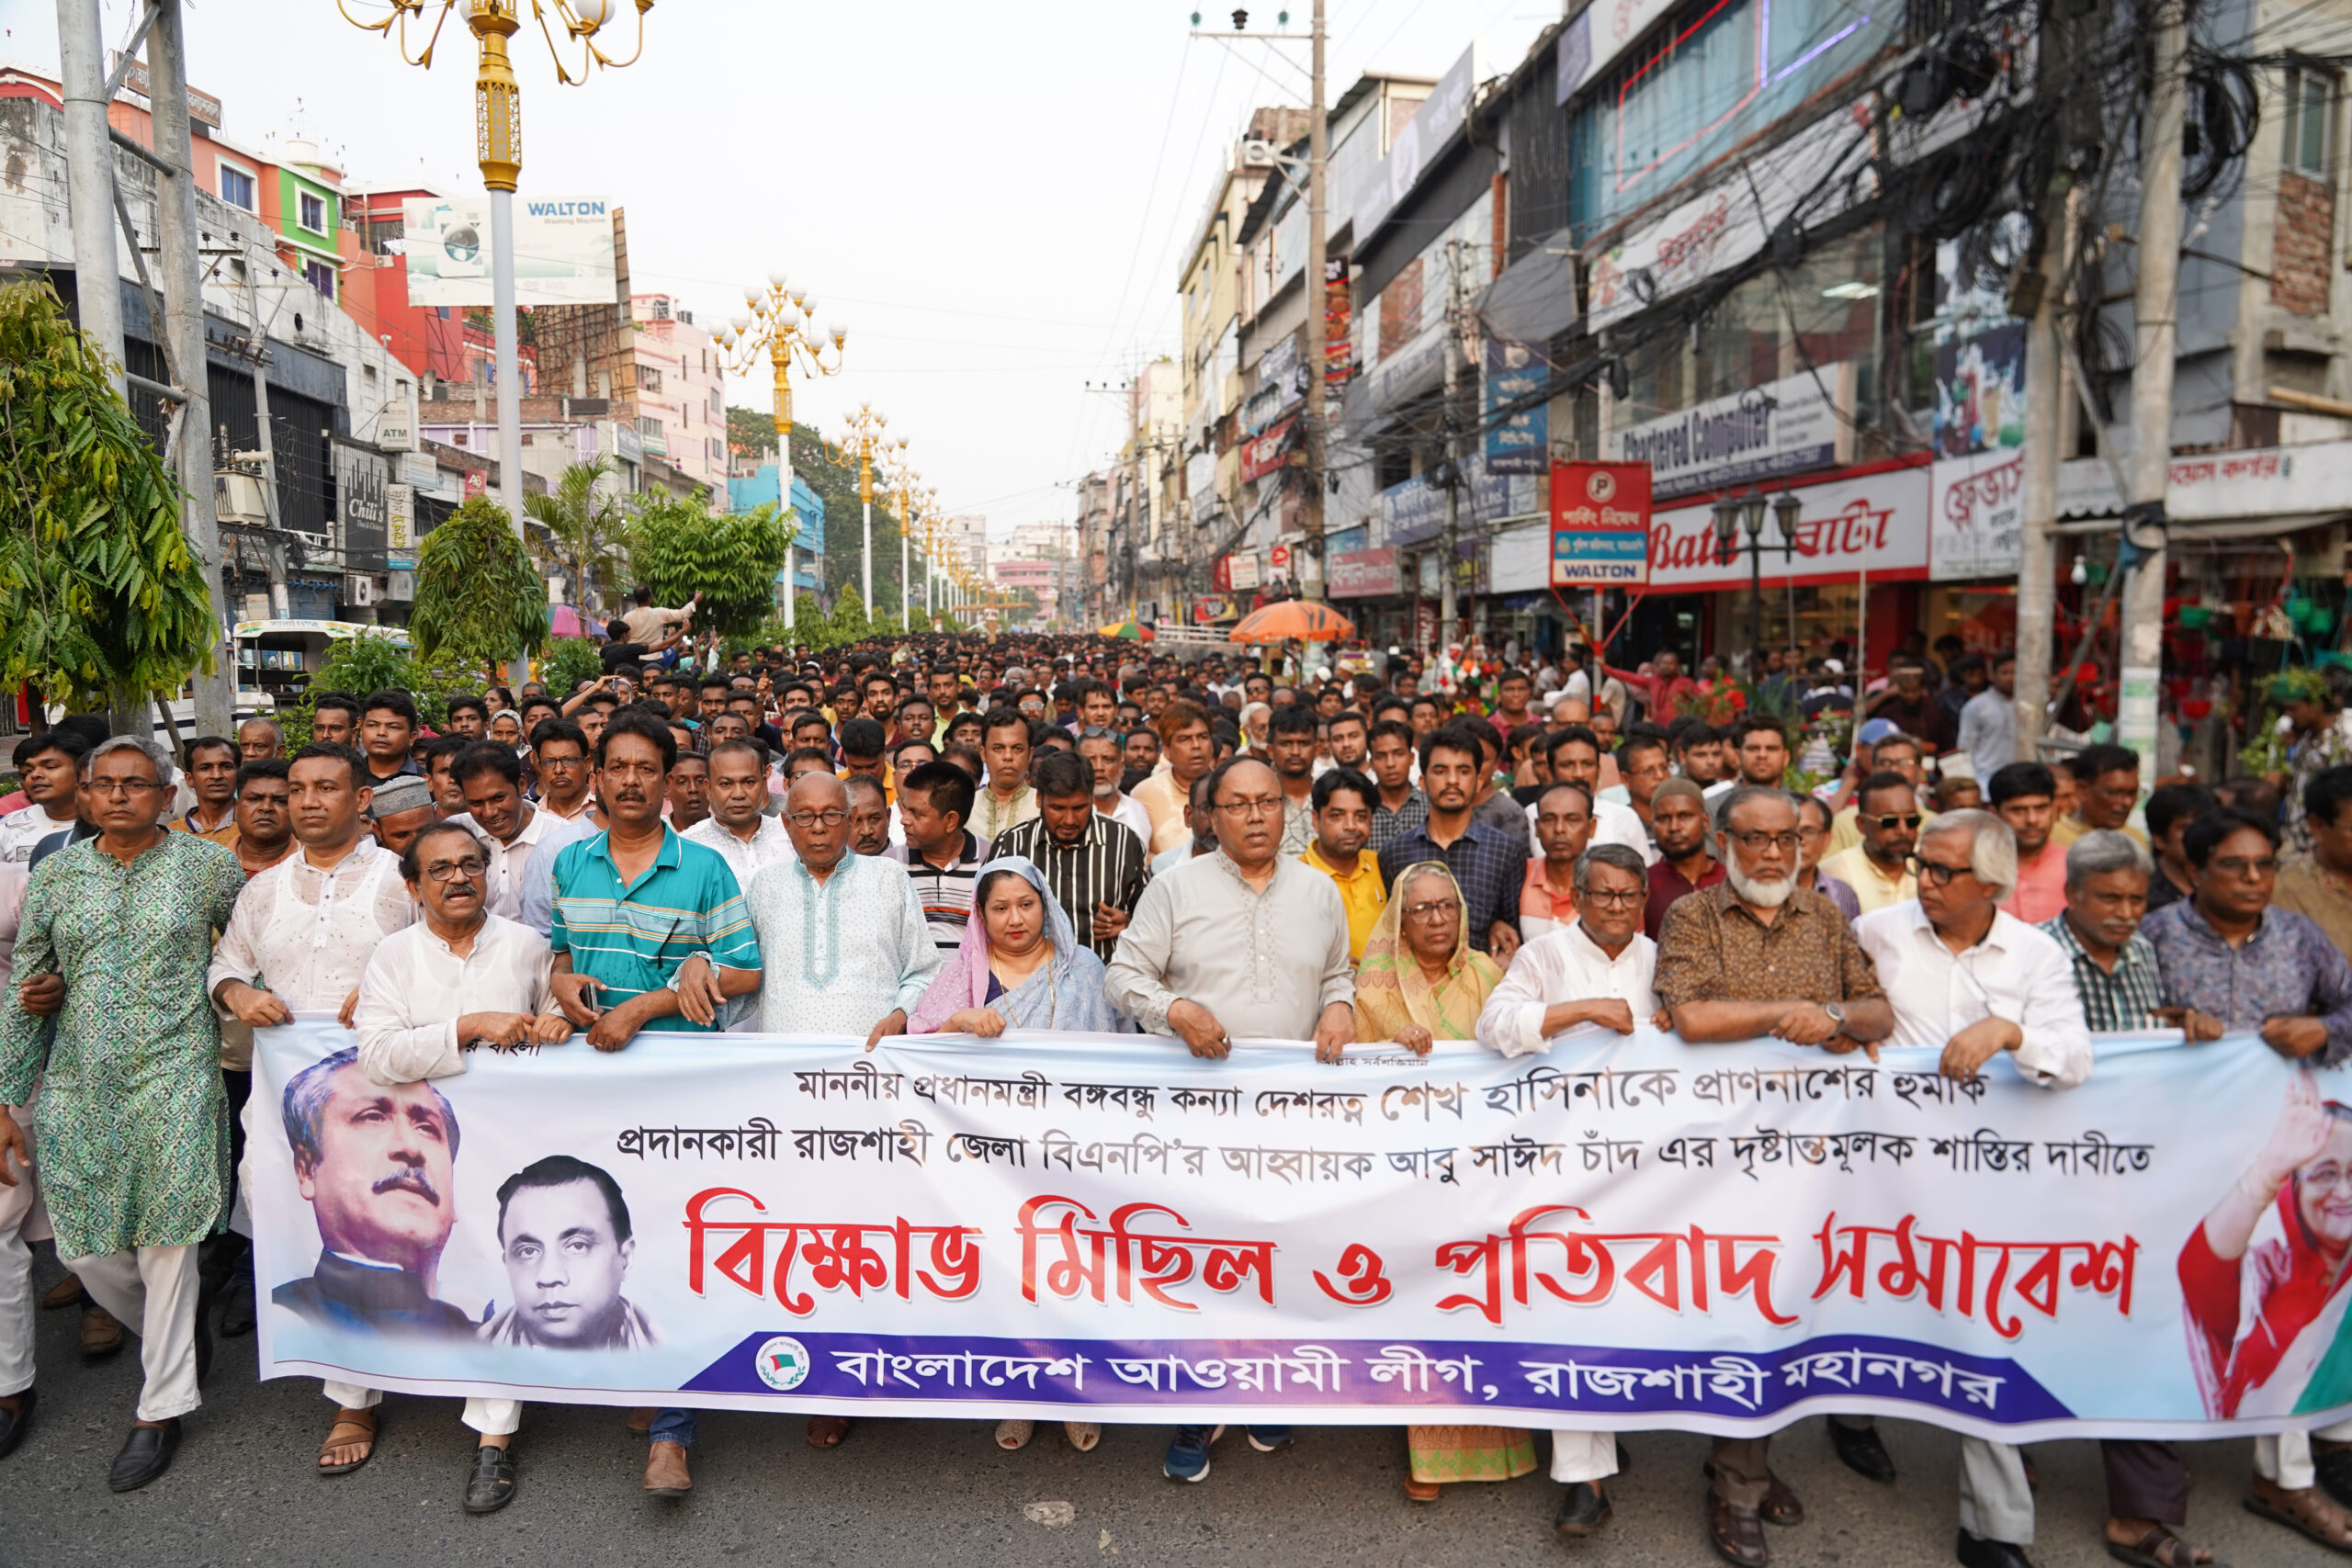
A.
pixel 1250 808
pixel 120 787
pixel 1620 898
pixel 1935 873
pixel 811 818
pixel 1442 909
pixel 2238 866
pixel 1759 842
pixel 1905 819
pixel 454 870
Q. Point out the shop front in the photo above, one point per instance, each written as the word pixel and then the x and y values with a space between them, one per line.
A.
pixel 1852 572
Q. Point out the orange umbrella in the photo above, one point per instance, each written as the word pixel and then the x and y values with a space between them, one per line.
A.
pixel 1293 620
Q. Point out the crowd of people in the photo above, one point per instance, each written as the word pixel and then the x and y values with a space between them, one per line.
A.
pixel 965 836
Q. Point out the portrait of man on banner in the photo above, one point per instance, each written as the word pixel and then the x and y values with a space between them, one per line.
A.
pixel 565 1239
pixel 377 1164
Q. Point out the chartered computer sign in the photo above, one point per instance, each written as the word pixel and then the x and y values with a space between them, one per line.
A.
pixel 563 250
pixel 1601 525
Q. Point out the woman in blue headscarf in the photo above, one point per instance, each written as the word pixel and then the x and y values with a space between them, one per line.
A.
pixel 1021 966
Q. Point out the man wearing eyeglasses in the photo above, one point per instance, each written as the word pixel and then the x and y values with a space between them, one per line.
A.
pixel 1245 942
pixel 461 977
pixel 1758 955
pixel 1975 983
pixel 2227 950
pixel 1595 970
pixel 1879 868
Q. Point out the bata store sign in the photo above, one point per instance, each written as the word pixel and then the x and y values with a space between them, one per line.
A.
pixel 1874 523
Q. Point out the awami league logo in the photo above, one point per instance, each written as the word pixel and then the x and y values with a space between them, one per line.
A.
pixel 783 1363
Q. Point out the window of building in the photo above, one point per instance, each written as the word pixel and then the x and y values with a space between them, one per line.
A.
pixel 314 213
pixel 321 277
pixel 237 186
pixel 648 379
pixel 2311 96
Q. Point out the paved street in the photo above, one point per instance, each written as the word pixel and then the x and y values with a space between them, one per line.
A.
pixel 926 1491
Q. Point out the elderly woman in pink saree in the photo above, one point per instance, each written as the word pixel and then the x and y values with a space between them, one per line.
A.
pixel 1021 966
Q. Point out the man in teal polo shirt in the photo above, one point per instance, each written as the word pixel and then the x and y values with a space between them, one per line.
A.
pixel 633 906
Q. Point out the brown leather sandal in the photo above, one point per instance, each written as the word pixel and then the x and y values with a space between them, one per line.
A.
pixel 2308 1512
pixel 2160 1548
pixel 361 1426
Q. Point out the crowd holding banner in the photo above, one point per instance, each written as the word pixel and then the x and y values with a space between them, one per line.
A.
pixel 1056 1029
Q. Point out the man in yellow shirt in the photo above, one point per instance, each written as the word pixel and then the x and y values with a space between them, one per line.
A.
pixel 1895 753
pixel 2107 786
pixel 1879 868
pixel 1342 802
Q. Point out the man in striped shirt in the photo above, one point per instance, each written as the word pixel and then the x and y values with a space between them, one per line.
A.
pixel 1096 867
pixel 632 906
pixel 941 855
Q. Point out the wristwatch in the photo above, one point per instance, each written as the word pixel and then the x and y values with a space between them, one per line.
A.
pixel 1837 1015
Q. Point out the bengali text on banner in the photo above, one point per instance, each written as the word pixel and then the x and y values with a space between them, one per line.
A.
pixel 1624 1232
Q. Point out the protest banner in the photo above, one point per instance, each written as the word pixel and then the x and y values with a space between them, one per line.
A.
pixel 1626 1232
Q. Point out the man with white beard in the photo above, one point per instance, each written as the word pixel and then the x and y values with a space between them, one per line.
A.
pixel 1757 956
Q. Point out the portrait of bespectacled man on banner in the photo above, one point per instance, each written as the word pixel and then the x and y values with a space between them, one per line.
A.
pixel 565 1239
pixel 376 1163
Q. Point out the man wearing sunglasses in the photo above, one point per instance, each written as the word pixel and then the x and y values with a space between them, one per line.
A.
pixel 1975 983
pixel 1879 868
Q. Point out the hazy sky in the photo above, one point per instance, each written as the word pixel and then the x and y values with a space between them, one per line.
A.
pixel 994 198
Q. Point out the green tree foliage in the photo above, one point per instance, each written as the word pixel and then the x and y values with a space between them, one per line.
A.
pixel 101 600
pixel 372 661
pixel 568 661
pixel 678 550
pixel 587 532
pixel 479 598
pixel 849 619
pixel 750 431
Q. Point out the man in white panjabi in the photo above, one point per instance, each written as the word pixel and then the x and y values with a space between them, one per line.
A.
pixel 459 978
pixel 301 938
pixel 1595 970
pixel 852 952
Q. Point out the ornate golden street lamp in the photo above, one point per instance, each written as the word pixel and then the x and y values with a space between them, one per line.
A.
pixel 783 321
pixel 863 426
pixel 498 147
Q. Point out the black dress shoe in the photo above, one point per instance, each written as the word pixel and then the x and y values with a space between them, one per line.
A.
pixel 237 1305
pixel 491 1485
pixel 14 1423
pixel 1976 1552
pixel 1862 1451
pixel 1584 1508
pixel 145 1455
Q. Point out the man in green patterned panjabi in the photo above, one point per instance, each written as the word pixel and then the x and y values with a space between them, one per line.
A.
pixel 134 1125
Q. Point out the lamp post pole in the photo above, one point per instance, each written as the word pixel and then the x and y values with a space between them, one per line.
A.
pixel 783 321
pixel 497 148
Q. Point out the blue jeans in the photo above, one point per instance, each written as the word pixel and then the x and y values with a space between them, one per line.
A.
pixel 674 1427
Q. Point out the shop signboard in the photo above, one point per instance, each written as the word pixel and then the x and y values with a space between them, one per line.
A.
pixel 1363 574
pixel 1261 455
pixel 1601 523
pixel 563 249
pixel 1976 517
pixel 1788 426
pixel 1414 510
pixel 400 527
pixel 1520 443
pixel 2270 481
pixel 1241 569
pixel 1874 523
pixel 359 480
